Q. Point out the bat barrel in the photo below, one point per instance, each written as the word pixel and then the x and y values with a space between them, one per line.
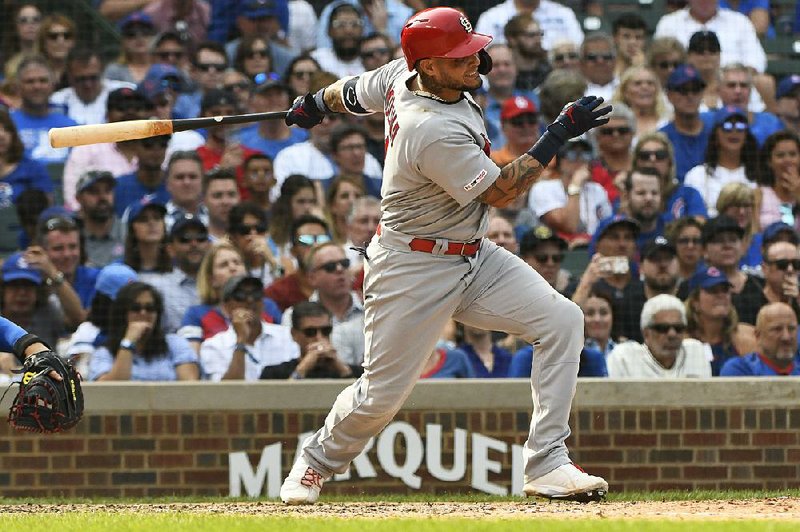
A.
pixel 67 137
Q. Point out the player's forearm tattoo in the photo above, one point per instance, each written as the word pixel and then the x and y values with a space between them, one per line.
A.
pixel 333 96
pixel 515 179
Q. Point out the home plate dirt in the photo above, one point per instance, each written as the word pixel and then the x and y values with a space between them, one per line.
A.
pixel 783 508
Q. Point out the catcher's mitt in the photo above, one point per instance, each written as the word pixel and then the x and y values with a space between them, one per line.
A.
pixel 43 403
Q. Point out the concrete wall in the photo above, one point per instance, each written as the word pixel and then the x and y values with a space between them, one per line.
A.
pixel 456 436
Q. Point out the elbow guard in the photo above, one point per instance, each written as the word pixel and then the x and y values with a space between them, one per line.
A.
pixel 350 99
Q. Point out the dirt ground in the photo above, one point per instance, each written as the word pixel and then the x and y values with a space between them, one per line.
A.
pixel 782 508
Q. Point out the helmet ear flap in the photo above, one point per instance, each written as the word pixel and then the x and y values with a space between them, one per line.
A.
pixel 485 65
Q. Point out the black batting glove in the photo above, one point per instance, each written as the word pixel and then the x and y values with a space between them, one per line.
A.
pixel 308 111
pixel 575 119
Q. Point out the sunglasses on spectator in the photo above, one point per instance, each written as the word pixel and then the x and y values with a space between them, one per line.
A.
pixel 577 155
pixel 527 119
pixel 310 240
pixel 252 54
pixel 89 78
pixel 29 20
pixel 170 54
pixel 735 126
pixel 351 24
pixel 332 266
pixel 572 56
pixel 664 65
pixel 783 264
pixel 608 131
pixel 653 155
pixel 544 258
pixel 154 142
pixel 664 328
pixel 599 57
pixel 687 240
pixel 188 238
pixel 132 32
pixel 311 332
pixel 688 89
pixel 56 35
pixel 233 87
pixel 147 307
pixel 208 67
pixel 369 54
pixel 245 229
pixel 247 296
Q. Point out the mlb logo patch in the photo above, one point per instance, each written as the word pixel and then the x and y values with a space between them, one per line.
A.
pixel 474 183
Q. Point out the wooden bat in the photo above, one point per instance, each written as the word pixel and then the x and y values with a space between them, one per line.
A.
pixel 67 137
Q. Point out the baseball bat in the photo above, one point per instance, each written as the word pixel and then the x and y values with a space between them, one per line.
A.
pixel 68 137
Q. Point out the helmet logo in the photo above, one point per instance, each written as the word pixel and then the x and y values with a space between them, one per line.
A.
pixel 466 23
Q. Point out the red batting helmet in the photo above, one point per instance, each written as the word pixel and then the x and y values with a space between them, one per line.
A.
pixel 440 32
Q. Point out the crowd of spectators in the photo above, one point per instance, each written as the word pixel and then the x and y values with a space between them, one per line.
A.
pixel 237 252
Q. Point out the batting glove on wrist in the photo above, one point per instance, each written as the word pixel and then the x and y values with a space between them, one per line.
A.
pixel 579 117
pixel 308 111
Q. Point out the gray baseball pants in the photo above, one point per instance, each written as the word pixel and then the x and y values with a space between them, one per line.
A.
pixel 409 297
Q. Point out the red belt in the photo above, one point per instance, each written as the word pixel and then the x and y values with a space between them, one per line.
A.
pixel 426 245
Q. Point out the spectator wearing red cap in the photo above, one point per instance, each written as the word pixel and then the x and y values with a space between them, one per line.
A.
pixel 519 120
pixel 502 82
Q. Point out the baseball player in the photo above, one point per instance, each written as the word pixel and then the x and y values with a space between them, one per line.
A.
pixel 429 261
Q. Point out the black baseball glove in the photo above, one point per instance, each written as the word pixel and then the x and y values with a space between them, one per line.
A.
pixel 45 404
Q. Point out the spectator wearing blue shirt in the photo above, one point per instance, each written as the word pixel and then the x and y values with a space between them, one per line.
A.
pixel 776 338
pixel 149 180
pixel 643 188
pixel 502 81
pixel 396 15
pixel 271 136
pixel 488 360
pixel 737 201
pixel 35 118
pixel 257 18
pixel 654 150
pixel 349 152
pixel 687 131
pixel 592 363
pixel 448 364
pixel 208 66
pixel 735 88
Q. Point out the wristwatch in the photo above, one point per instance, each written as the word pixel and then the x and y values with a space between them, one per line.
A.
pixel 573 190
pixel 127 344
pixel 56 280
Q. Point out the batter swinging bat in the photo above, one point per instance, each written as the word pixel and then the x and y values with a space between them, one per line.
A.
pixel 67 137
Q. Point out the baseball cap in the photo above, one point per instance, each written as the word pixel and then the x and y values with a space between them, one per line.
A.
pixel 706 278
pixel 658 243
pixel 724 114
pixel 16 268
pixel 217 97
pixel 515 106
pixel 124 98
pixel 683 75
pixel 160 77
pixel 271 82
pixel 772 232
pixel 720 224
pixel 259 8
pixel 57 211
pixel 186 221
pixel 533 237
pixel 702 41
pixel 787 85
pixel 607 223
pixel 91 177
pixel 113 277
pixel 232 284
pixel 136 208
pixel 137 17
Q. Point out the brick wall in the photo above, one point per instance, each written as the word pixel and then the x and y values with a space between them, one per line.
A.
pixel 156 446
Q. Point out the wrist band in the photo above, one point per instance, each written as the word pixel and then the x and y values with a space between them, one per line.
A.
pixel 546 148
pixel 319 99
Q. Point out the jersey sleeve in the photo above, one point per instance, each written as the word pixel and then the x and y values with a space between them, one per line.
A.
pixel 371 88
pixel 458 165
pixel 10 332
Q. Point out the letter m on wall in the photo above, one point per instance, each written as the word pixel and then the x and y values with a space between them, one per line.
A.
pixel 241 473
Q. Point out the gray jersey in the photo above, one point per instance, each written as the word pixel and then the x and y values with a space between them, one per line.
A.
pixel 437 158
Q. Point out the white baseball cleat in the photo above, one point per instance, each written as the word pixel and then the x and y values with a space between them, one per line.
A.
pixel 569 483
pixel 302 485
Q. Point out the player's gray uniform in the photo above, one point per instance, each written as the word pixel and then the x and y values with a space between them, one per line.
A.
pixel 435 168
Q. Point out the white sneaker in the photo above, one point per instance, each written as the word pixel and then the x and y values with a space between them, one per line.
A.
pixel 567 482
pixel 302 485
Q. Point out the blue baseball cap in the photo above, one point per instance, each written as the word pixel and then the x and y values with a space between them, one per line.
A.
pixel 260 8
pixel 187 220
pixel 771 232
pixel 724 114
pixel 787 85
pixel 147 202
pixel 607 223
pixel 707 278
pixel 683 75
pixel 16 268
pixel 137 17
pixel 165 75
pixel 113 277
pixel 55 212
